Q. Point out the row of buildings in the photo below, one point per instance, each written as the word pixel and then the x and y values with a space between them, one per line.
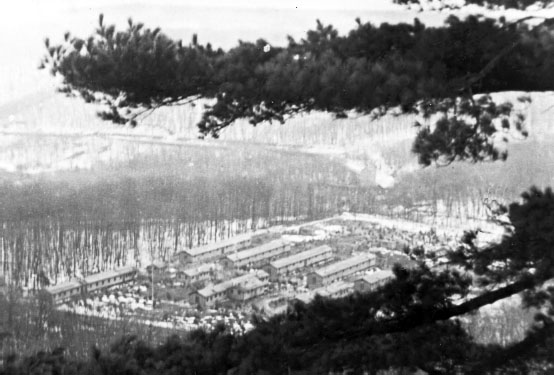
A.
pixel 80 287
pixel 257 257
pixel 329 281
pixel 239 289
pixel 203 264
pixel 215 251
pixel 341 270
pixel 372 281
pixel 283 267
pixel 275 258
pixel 365 283
pixel 235 253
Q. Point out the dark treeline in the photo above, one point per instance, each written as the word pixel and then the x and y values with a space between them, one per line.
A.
pixel 90 221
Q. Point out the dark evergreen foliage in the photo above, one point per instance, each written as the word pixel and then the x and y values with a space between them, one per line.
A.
pixel 410 67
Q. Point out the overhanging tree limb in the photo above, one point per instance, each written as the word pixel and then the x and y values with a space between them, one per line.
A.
pixel 429 316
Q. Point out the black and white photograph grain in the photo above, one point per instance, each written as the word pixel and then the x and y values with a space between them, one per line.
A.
pixel 277 187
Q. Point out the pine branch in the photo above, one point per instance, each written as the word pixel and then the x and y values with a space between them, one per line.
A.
pixel 172 102
pixel 495 60
pixel 422 317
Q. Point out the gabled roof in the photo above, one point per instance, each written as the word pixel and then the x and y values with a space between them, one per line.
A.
pixel 216 245
pixel 109 274
pixel 203 268
pixel 222 287
pixel 65 286
pixel 377 276
pixel 284 262
pixel 344 264
pixel 333 288
pixel 241 255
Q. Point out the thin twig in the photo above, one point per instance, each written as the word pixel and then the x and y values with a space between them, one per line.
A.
pixel 173 102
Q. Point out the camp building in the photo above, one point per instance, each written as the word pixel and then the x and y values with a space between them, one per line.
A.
pixel 107 279
pixel 372 281
pixel 65 291
pixel 340 270
pixel 258 256
pixel 78 287
pixel 208 296
pixel 335 290
pixel 284 266
pixel 214 251
pixel 203 272
pixel 251 288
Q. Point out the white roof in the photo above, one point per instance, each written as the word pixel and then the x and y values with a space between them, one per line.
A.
pixel 261 274
pixel 109 274
pixel 377 276
pixel 256 250
pixel 216 245
pixel 284 262
pixel 333 288
pixel 191 272
pixel 222 287
pixel 68 285
pixel 347 263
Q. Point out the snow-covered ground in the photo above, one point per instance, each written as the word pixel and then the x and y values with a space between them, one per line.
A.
pixel 405 225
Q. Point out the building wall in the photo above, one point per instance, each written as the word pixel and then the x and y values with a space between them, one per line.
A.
pixel 276 273
pixel 110 281
pixel 202 276
pixel 258 260
pixel 215 253
pixel 227 263
pixel 231 291
pixel 186 257
pixel 210 301
pixel 365 286
pixel 203 302
pixel 315 280
pixel 200 301
pixel 87 287
pixel 242 295
pixel 66 295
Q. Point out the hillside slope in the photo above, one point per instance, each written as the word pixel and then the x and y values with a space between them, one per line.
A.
pixel 61 133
